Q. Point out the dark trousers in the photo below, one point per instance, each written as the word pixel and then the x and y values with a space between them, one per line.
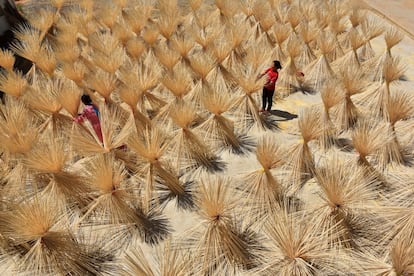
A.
pixel 267 98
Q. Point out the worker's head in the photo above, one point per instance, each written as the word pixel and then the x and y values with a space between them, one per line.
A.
pixel 276 64
pixel 86 99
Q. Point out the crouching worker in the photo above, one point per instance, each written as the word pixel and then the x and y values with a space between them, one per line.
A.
pixel 91 113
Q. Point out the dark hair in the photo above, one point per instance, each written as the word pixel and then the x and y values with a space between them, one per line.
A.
pixel 276 63
pixel 86 99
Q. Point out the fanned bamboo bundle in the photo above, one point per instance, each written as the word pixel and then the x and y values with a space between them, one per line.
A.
pixel 337 26
pixel 371 28
pixel 392 37
pixel 7 59
pixel 218 128
pixel 169 261
pixel 19 128
pixel 263 16
pixel 245 102
pixel 281 33
pixel 400 107
pixel 351 58
pixel 13 83
pixel 296 242
pixel 264 191
pixel 392 69
pixel 395 260
pixel 321 70
pixel 301 163
pixel 348 203
pixel 346 112
pixel 152 166
pixel 187 146
pixel 36 231
pixel 114 202
pixel 222 244
pixel 368 137
pixel 167 183
pixel 169 18
pixel 331 95
pixel 308 33
pixel 290 80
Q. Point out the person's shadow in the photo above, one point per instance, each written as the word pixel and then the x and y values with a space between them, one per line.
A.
pixel 284 115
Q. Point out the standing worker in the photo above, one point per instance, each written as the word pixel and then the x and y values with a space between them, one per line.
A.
pixel 272 75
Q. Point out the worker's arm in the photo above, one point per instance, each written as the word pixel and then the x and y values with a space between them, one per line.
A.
pixel 261 75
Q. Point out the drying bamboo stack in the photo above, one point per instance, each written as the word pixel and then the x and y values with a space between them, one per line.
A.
pixel 330 193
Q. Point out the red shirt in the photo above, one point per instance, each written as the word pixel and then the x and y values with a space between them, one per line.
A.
pixel 89 113
pixel 271 78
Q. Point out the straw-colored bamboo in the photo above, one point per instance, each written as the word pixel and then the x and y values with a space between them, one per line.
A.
pixel 308 33
pixel 320 70
pixel 114 203
pixel 392 69
pixel 301 163
pixel 36 231
pixel 346 112
pixel 371 28
pixel 281 33
pixel 218 128
pixel 109 63
pixel 331 95
pixel 175 84
pixel 107 14
pixel 69 97
pixel 138 15
pixel 150 34
pixel 19 128
pixel 195 4
pixel 400 106
pixel 13 83
pixel 392 37
pixel 368 137
pixel 34 49
pixel 218 240
pixel 202 64
pixel 295 242
pixel 169 261
pixel 7 59
pixel 43 21
pixel 289 81
pixel 183 43
pixel 74 71
pixel 348 202
pixel 246 102
pixel 153 166
pixel 338 26
pixel 47 156
pixel 188 148
pixel 265 191
pixel 394 259
pixel 228 8
pixel 167 57
pixel 169 17
pixel 102 82
pixel 135 47
pixel 351 58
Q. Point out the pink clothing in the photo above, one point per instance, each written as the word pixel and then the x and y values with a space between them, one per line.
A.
pixel 89 113
pixel 272 77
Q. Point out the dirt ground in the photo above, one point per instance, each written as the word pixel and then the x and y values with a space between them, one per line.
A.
pixel 401 11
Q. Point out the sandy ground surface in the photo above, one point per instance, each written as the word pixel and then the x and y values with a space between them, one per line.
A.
pixel 399 10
